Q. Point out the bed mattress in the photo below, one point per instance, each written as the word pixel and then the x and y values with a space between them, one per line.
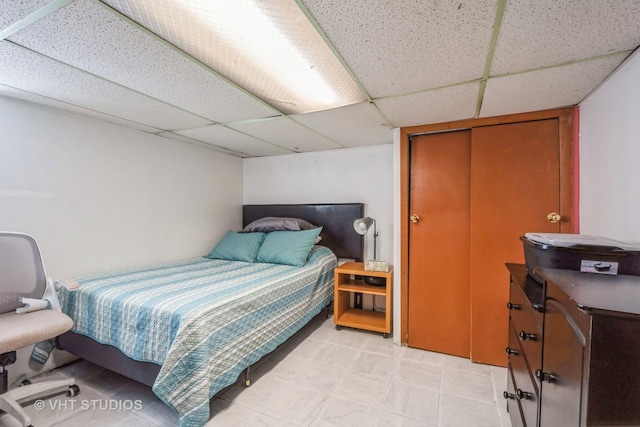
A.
pixel 203 320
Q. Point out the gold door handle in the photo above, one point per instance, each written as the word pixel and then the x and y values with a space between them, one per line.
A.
pixel 414 218
pixel 554 217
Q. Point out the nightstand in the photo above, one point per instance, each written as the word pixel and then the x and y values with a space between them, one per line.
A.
pixel 349 279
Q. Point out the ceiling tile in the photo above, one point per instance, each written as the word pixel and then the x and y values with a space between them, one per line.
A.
pixel 542 33
pixel 544 89
pixel 13 10
pixel 28 71
pixel 92 38
pixel 286 133
pixel 49 102
pixel 274 51
pixel 441 105
pixel 404 46
pixel 351 126
pixel 187 140
pixel 222 136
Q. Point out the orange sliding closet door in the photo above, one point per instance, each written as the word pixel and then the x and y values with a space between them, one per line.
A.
pixel 439 243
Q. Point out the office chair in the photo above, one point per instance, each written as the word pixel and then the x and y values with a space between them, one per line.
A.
pixel 29 314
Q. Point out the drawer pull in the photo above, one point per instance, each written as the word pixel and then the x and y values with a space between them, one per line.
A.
pixel 527 337
pixel 512 306
pixel 538 307
pixel 508 395
pixel 544 376
pixel 511 351
pixel 523 394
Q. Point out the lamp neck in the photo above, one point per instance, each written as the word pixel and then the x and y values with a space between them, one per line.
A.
pixel 375 238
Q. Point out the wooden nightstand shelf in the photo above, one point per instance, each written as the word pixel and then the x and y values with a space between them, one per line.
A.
pixel 345 284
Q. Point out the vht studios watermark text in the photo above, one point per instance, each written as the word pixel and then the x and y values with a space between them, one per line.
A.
pixel 88 405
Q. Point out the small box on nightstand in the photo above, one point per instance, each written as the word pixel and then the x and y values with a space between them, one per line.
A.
pixel 373 265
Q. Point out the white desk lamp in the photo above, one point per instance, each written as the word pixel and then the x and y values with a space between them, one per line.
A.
pixel 362 225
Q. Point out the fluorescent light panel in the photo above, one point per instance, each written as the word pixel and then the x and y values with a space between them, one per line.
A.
pixel 269 48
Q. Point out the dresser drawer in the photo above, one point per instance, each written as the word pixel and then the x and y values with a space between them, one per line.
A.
pixel 513 404
pixel 526 388
pixel 527 323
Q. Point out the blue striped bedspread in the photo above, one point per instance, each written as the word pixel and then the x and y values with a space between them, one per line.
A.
pixel 204 321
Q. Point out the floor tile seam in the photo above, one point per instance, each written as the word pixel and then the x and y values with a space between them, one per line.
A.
pixel 82 385
pixel 370 376
pixel 468 372
pixel 60 416
pixel 426 367
pixel 85 372
pixel 292 350
pixel 492 403
pixel 382 408
pixel 329 365
pixel 498 392
pixel 348 366
pixel 497 413
pixel 395 379
pixel 379 353
pixel 245 406
pixel 251 420
pixel 345 330
pixel 75 413
pixel 311 388
pixel 265 402
pixel 430 370
pixel 500 418
pixel 333 396
pixel 317 416
pixel 384 397
pixel 439 409
pixel 353 347
pixel 146 417
pixel 59 375
pixel 396 364
pixel 136 415
pixel 421 362
pixel 144 398
pixel 254 411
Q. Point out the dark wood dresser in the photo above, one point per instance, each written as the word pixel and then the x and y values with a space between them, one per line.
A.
pixel 574 349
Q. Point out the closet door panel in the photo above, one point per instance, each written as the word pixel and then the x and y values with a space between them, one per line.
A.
pixel 515 184
pixel 439 243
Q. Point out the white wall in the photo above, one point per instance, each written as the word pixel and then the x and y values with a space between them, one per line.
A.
pixel 98 196
pixel 348 175
pixel 610 156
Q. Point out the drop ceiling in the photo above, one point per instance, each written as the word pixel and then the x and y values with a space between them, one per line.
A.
pixel 413 62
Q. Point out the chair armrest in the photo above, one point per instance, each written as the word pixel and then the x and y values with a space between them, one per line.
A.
pixel 68 284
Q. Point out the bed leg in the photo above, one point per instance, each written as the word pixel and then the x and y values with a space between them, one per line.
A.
pixel 247 380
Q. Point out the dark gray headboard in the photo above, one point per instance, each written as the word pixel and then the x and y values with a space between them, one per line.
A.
pixel 336 219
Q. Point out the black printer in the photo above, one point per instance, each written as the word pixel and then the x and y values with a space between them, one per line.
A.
pixel 579 252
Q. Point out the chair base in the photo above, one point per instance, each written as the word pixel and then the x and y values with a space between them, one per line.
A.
pixel 9 400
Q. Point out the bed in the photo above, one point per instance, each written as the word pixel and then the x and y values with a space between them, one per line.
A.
pixel 189 328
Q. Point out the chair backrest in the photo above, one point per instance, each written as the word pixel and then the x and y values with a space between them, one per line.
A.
pixel 22 271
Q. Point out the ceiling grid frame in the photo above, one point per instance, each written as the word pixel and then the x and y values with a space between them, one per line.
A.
pixel 605 33
pixel 80 70
pixel 492 48
pixel 183 54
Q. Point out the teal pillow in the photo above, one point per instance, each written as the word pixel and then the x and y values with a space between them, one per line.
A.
pixel 238 247
pixel 288 247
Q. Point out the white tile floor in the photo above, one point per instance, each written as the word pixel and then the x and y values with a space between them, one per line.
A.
pixel 322 377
